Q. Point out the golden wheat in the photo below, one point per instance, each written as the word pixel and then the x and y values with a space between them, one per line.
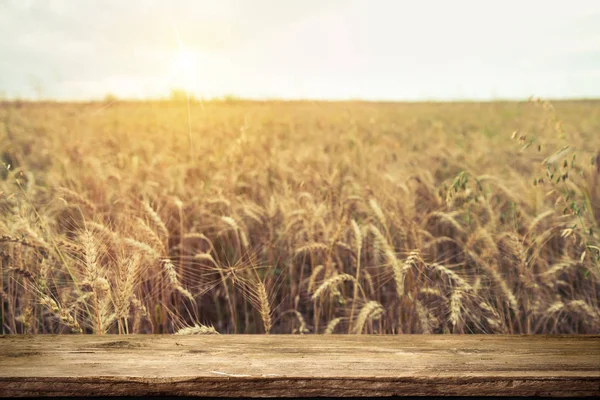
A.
pixel 197 330
pixel 370 311
pixel 331 284
pixel 117 233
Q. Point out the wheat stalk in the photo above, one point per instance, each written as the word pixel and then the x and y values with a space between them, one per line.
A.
pixel 197 330
pixel 331 283
pixel 313 277
pixel 358 246
pixel 63 315
pixel 370 311
pixel 155 218
pixel 331 325
pixel 264 307
pixel 422 314
pixel 455 308
pixel 70 195
pixel 173 280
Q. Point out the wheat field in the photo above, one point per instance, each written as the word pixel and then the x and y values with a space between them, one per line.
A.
pixel 300 217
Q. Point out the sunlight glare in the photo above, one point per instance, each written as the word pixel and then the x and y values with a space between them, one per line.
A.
pixel 185 67
pixel 186 61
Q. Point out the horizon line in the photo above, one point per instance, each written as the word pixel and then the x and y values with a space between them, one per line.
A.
pixel 233 99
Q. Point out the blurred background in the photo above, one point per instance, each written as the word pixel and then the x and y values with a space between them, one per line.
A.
pixel 334 49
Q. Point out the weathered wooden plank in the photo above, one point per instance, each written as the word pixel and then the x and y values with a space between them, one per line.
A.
pixel 300 366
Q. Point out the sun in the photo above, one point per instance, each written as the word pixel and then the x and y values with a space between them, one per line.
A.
pixel 186 62
pixel 184 69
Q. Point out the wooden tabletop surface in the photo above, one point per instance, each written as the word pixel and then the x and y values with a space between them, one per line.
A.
pixel 300 366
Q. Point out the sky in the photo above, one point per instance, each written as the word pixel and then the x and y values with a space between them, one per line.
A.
pixel 328 49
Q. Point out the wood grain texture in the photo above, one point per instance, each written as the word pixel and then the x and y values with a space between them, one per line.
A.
pixel 299 366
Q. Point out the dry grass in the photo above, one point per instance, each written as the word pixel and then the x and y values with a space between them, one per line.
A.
pixel 300 217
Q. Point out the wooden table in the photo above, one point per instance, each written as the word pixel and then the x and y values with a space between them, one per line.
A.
pixel 300 366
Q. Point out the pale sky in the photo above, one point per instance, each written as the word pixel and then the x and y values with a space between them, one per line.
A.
pixel 328 49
